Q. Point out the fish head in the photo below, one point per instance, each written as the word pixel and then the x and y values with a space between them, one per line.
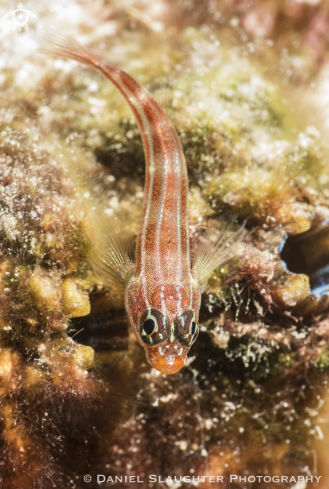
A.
pixel 167 341
pixel 165 324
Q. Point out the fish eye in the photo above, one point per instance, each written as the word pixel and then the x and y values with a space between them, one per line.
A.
pixel 152 327
pixel 187 328
pixel 194 328
pixel 148 327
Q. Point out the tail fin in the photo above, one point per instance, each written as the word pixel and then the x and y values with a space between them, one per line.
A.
pixel 56 44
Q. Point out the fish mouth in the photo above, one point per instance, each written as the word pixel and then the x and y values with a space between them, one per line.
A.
pixel 169 364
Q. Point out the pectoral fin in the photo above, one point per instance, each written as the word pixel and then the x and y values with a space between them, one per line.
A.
pixel 111 252
pixel 215 246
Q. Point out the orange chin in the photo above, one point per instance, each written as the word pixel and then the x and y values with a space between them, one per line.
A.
pixel 169 364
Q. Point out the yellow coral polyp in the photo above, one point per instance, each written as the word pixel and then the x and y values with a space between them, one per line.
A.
pixel 45 290
pixel 295 290
pixel 84 356
pixel 75 301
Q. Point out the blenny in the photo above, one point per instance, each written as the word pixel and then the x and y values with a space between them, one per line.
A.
pixel 163 283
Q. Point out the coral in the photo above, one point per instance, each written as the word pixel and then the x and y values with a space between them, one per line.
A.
pixel 77 396
pixel 43 279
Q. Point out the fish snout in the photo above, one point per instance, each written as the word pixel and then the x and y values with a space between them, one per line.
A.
pixel 167 364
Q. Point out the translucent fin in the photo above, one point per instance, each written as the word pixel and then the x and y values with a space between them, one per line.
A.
pixel 112 250
pixel 162 94
pixel 64 46
pixel 217 245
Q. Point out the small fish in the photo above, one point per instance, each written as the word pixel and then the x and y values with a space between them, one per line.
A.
pixel 162 286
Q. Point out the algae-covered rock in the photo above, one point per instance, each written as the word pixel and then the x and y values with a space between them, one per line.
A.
pixel 243 85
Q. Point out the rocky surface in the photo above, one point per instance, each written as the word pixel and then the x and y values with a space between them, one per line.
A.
pixel 76 394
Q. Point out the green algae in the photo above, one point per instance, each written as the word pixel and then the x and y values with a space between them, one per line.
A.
pixel 322 362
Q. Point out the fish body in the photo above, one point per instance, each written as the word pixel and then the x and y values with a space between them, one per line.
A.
pixel 163 286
